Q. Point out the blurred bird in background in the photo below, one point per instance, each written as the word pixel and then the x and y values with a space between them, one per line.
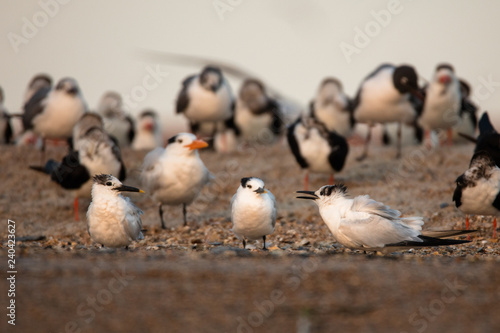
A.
pixel 148 133
pixel 116 122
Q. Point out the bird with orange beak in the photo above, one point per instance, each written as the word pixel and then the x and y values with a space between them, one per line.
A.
pixel 175 175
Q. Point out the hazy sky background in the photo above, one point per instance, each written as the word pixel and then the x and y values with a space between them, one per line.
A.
pixel 290 44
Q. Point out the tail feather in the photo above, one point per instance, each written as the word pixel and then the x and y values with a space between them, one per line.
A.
pixel 446 233
pixel 468 137
pixel 428 241
pixel 485 126
pixel 49 167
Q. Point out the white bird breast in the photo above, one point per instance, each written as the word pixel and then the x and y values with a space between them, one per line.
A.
pixel 479 199
pixel 314 149
pixel 61 113
pixel 106 216
pixel 441 110
pixel 252 215
pixel 206 105
pixel 252 126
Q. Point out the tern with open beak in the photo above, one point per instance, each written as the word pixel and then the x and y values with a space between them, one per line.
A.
pixel 365 224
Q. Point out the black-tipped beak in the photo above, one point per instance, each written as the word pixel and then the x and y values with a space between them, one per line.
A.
pixel 312 196
pixel 125 188
pixel 260 190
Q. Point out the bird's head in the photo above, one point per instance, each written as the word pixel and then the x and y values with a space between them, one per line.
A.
pixel 69 86
pixel 405 80
pixel 211 78
pixel 481 166
pixel 325 195
pixel 184 144
pixel 253 94
pixel 252 185
pixel 110 185
pixel 40 81
pixel 111 104
pixel 147 120
pixel 444 74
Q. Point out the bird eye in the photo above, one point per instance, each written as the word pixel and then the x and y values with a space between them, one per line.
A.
pixel 180 140
pixel 249 186
pixel 109 183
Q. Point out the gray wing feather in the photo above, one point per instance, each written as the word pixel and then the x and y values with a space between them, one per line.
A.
pixel 132 222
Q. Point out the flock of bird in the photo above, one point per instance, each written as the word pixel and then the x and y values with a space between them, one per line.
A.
pixel 174 174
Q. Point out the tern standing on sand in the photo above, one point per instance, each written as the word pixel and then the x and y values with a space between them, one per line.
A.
pixel 253 211
pixel 175 175
pixel 113 220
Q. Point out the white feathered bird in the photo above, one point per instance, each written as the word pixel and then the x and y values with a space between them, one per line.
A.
pixel 365 224
pixel 253 211
pixel 175 175
pixel 113 220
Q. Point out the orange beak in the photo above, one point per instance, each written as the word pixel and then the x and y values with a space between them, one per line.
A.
pixel 197 144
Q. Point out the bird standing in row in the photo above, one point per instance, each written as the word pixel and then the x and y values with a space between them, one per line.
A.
pixel 253 211
pixel 365 224
pixel 257 118
pixel 333 108
pixel 36 83
pixel 207 101
pixel 389 94
pixel 443 102
pixel 113 220
pixel 52 113
pixel 316 149
pixel 5 125
pixel 175 175
pixel 468 113
pixel 148 134
pixel 116 122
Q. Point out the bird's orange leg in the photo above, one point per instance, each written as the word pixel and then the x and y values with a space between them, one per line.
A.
pixel 495 228
pixel 75 204
pixel 450 137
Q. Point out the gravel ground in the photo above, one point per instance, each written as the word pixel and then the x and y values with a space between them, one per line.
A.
pixel 197 278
